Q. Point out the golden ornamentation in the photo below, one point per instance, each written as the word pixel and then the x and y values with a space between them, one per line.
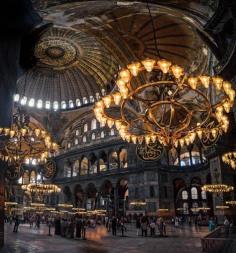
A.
pixel 43 188
pixel 217 188
pixel 230 159
pixel 231 202
pixel 26 143
pixel 158 101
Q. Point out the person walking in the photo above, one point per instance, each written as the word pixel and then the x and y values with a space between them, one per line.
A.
pixel 114 225
pixel 16 225
pixel 122 226
pixel 138 226
pixel 78 227
pixel 152 228
pixel 144 226
pixel 83 229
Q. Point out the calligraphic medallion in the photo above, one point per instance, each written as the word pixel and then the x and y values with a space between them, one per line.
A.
pixel 149 152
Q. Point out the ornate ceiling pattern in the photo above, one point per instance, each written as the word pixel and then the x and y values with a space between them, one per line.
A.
pixel 77 58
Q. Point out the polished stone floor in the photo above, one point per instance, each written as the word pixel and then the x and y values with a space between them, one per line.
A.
pixel 180 240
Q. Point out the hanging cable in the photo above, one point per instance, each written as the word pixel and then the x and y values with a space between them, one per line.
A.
pixel 154 31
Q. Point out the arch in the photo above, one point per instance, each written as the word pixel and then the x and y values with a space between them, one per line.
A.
pixel 84 138
pixel 84 166
pixel 67 194
pixel 67 169
pixel 93 136
pixel 93 164
pixel 76 167
pixel 79 195
pixel 102 134
pixel 91 193
pixel 194 193
pixel 33 176
pixel 123 158
pixel 85 127
pixel 106 188
pixel 26 177
pixel 184 194
pixel 113 160
pixel 93 124
pixel 112 133
pixel 102 161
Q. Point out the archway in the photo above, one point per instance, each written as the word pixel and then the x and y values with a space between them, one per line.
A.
pixel 91 194
pixel 79 196
pixel 122 196
pixel 67 194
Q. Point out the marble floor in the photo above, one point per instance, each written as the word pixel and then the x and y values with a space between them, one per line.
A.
pixel 28 240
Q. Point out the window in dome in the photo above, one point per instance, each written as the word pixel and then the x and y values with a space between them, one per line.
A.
pixel 91 99
pixel 47 105
pixel 184 194
pixel 40 104
pixel 63 104
pixel 16 97
pixel 71 104
pixel 93 124
pixel 85 100
pixel 55 105
pixel 85 127
pixel 23 101
pixel 31 102
pixel 93 136
pixel 112 132
pixel 77 102
pixel 98 96
pixel 194 193
pixel 84 139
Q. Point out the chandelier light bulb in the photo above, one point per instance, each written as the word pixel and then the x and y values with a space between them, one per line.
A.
pixel 148 64
pixel 125 75
pixel 117 98
pixel 227 87
pixel 164 65
pixel 205 81
pixel 193 82
pixel 134 68
pixel 177 71
pixel 218 82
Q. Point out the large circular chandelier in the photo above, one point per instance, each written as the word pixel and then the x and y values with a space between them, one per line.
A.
pixel 157 101
pixel 230 159
pixel 217 188
pixel 25 142
pixel 43 188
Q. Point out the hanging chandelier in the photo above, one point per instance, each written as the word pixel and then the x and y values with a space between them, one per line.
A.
pixel 231 203
pixel 230 159
pixel 157 101
pixel 217 188
pixel 25 142
pixel 42 188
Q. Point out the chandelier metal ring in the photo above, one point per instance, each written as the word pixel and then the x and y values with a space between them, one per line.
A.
pixel 217 188
pixel 43 188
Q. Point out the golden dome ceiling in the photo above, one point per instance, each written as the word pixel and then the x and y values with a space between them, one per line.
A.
pixel 77 58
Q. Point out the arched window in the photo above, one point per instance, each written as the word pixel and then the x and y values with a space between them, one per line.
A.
pixel 76 141
pixel 112 132
pixel 78 103
pixel 26 178
pixel 194 193
pixel 93 124
pixel 102 134
pixel 184 194
pixel 63 104
pixel 39 178
pixel 123 158
pixel 113 161
pixel 75 168
pixel 48 105
pixel 93 168
pixel 93 136
pixel 33 177
pixel 91 99
pixel 102 165
pixel 31 102
pixel 55 105
pixel 84 139
pixel 204 196
pixel 20 180
pixel 77 132
pixel 85 127
pixel 84 166
pixel 67 170
pixel 85 100
pixel 39 104
pixel 102 123
pixel 71 104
